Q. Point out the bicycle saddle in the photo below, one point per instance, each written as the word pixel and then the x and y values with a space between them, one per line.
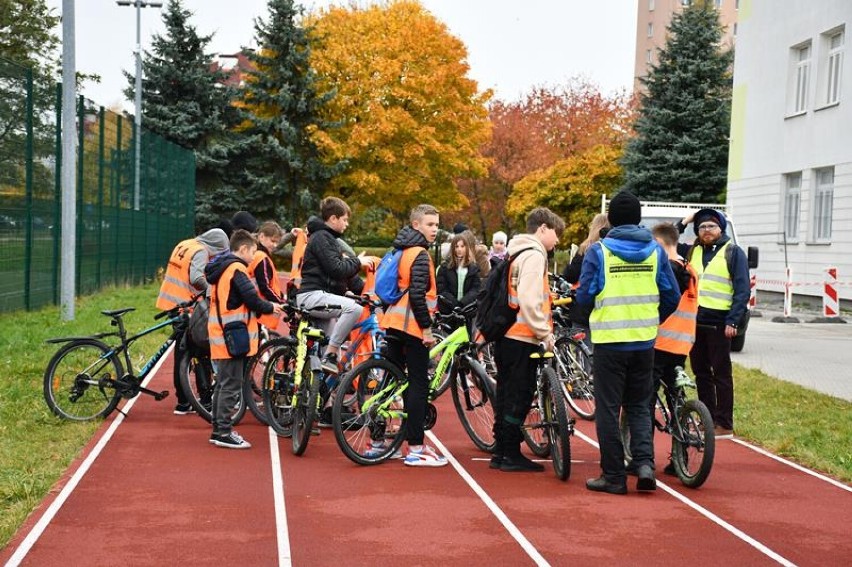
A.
pixel 118 312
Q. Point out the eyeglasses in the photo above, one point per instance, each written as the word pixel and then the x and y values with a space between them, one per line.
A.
pixel 708 226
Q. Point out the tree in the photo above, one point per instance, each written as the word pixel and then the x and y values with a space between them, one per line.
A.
pixel 411 121
pixel 276 163
pixel 186 102
pixel 571 187
pixel 680 151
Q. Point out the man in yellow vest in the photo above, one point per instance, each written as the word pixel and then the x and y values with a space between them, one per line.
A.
pixel 723 293
pixel 628 278
pixel 185 278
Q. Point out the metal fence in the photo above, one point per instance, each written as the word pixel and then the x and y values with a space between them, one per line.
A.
pixel 116 243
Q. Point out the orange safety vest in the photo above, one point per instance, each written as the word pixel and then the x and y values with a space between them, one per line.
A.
pixel 677 333
pixel 298 259
pixel 399 316
pixel 520 330
pixel 219 308
pixel 176 287
pixel 268 320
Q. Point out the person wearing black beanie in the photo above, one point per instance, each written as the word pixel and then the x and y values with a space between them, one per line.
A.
pixel 245 221
pixel 627 281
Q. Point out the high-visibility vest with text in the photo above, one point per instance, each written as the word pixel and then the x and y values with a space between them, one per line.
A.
pixel 715 288
pixel 176 288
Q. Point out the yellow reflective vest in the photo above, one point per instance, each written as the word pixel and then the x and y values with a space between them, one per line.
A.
pixel 715 287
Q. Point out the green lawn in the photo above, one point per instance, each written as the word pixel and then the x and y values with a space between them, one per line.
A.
pixel 810 428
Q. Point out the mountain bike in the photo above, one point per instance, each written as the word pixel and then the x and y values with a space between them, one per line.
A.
pixel 86 378
pixel 368 413
pixel 548 422
pixel 574 356
pixel 690 425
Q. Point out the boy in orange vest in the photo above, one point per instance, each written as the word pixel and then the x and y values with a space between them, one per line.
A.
pixel 409 327
pixel 233 298
pixel 676 334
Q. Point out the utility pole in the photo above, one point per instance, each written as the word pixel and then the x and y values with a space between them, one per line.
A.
pixel 138 4
pixel 67 291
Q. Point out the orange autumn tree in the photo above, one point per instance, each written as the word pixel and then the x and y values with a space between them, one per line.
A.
pixel 409 120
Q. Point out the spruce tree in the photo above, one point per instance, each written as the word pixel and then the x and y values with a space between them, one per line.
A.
pixel 276 163
pixel 680 151
pixel 186 102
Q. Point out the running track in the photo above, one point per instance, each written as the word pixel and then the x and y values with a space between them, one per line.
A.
pixel 150 490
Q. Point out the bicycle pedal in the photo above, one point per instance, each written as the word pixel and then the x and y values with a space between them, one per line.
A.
pixel 161 395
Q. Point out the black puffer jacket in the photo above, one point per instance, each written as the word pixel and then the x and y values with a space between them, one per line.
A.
pixel 325 266
pixel 448 285
pixel 421 273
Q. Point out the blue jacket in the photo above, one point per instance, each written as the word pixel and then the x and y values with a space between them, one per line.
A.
pixel 632 244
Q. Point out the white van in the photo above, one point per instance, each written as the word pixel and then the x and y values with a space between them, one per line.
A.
pixel 655 212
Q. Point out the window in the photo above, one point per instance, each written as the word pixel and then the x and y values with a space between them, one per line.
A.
pixel 718 4
pixel 735 29
pixel 737 4
pixel 823 204
pixel 651 5
pixel 835 64
pixel 801 67
pixel 685 3
pixel 648 58
pixel 651 30
pixel 792 200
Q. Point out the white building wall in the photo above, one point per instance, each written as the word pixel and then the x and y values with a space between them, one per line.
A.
pixel 768 140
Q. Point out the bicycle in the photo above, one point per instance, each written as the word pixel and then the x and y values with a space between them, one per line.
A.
pixel 574 357
pixel 368 413
pixel 292 381
pixel 693 439
pixel 548 417
pixel 86 378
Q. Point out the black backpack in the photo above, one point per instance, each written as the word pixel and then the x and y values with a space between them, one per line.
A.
pixel 494 316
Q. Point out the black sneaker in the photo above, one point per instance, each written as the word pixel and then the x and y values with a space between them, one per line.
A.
pixel 329 363
pixel 601 484
pixel 496 462
pixel 232 440
pixel 183 409
pixel 519 463
pixel 646 481
pixel 325 421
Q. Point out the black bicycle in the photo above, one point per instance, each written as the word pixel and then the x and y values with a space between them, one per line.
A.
pixel 86 378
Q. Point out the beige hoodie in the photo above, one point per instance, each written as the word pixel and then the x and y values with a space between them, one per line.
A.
pixel 528 269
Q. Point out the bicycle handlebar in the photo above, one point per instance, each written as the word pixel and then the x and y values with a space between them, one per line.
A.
pixel 180 306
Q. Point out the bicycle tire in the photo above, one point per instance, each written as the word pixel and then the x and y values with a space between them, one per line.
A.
pixel 306 409
pixel 473 396
pixel 277 390
pixel 575 370
pixel 697 445
pixel 534 432
pixel 558 425
pixel 367 415
pixel 485 354
pixel 65 390
pixel 254 376
pixel 197 382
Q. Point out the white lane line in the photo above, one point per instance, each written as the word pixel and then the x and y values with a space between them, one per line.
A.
pixel 282 532
pixel 53 509
pixel 709 515
pixel 498 513
pixel 794 465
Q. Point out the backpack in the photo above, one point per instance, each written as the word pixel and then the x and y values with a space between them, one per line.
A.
pixel 387 278
pixel 494 316
pixel 198 325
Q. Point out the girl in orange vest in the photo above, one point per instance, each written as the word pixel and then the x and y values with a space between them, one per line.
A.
pixel 262 271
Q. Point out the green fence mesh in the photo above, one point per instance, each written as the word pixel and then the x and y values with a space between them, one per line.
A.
pixel 116 243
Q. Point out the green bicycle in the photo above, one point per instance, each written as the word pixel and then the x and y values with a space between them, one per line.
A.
pixel 369 416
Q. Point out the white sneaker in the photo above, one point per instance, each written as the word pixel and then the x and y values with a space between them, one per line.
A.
pixel 424 456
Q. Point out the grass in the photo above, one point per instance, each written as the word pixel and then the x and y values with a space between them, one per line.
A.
pixel 810 428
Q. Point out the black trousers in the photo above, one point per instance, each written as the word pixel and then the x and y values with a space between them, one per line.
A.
pixel 410 354
pixel 711 364
pixel 515 389
pixel 623 378
pixel 180 349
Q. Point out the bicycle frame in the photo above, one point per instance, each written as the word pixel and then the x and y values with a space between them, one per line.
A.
pixel 304 332
pixel 368 329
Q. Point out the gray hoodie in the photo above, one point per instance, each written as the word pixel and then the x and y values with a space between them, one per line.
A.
pixel 215 242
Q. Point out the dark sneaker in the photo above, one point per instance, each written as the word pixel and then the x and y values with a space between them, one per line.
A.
pixel 496 462
pixel 183 409
pixel 646 481
pixel 232 440
pixel 601 484
pixel 519 463
pixel 325 421
pixel 329 363
pixel 670 469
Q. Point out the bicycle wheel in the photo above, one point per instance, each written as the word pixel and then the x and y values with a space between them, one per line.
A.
pixel 485 353
pixel 574 367
pixel 472 396
pixel 197 382
pixel 533 429
pixel 559 428
pixel 694 446
pixel 368 414
pixel 78 381
pixel 254 375
pixel 277 390
pixel 305 410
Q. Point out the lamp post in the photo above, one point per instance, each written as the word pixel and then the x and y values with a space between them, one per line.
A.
pixel 138 4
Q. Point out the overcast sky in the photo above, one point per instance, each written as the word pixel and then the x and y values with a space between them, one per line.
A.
pixel 512 45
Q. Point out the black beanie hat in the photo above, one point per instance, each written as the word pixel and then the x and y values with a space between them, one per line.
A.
pixel 245 221
pixel 624 209
pixel 226 225
pixel 459 228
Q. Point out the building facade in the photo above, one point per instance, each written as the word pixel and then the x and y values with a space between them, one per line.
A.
pixel 790 163
pixel 654 17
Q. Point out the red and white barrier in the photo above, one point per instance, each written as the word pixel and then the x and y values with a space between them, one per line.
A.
pixel 788 292
pixel 830 303
pixel 752 298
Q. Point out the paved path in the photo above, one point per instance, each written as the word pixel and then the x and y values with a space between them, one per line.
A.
pixel 814 355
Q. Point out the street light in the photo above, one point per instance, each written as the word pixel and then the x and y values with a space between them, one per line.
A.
pixel 139 4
